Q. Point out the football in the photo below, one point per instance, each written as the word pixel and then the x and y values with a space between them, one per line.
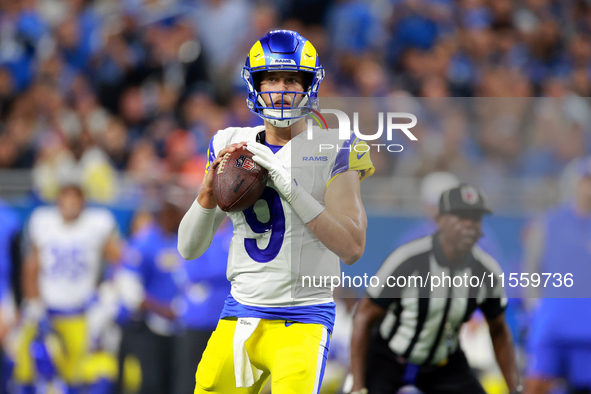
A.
pixel 238 182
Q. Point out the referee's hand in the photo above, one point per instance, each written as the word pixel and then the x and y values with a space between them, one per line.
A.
pixel 518 390
pixel 349 386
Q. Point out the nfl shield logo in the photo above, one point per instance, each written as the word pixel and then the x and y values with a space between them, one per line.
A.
pixel 245 163
pixel 469 195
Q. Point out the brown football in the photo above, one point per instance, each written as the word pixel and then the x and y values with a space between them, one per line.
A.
pixel 238 182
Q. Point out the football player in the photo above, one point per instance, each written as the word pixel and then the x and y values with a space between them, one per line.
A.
pixel 61 275
pixel 309 216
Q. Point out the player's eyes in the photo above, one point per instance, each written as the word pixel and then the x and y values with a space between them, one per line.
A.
pixel 288 81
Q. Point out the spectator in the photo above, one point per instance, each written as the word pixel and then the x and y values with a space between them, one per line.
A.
pixel 221 43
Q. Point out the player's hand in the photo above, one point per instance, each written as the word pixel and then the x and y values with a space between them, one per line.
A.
pixel 358 389
pixel 352 386
pixel 160 308
pixel 33 311
pixel 280 176
pixel 303 204
pixel 205 198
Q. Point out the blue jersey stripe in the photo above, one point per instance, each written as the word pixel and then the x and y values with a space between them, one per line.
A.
pixel 341 163
pixel 324 359
pixel 210 153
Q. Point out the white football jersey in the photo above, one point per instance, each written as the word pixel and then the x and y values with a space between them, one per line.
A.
pixel 70 254
pixel 272 249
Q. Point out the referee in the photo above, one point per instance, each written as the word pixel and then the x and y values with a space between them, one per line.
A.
pixel 416 341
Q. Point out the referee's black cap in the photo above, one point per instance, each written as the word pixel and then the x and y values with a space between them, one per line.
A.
pixel 461 199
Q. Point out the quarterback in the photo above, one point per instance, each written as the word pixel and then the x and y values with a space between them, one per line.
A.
pixel 309 216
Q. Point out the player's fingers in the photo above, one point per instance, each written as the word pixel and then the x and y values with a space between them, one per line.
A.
pixel 256 146
pixel 259 149
pixel 208 178
pixel 252 149
pixel 231 148
pixel 262 162
pixel 214 164
pixel 227 149
pixel 236 146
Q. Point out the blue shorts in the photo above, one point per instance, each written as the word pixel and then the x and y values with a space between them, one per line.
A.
pixel 567 360
pixel 560 348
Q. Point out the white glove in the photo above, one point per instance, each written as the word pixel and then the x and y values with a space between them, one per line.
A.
pixel 33 310
pixel 280 176
pixel 101 314
pixel 301 201
pixel 348 385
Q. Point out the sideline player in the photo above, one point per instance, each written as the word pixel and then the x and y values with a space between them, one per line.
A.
pixel 417 340
pixel 61 274
pixel 313 214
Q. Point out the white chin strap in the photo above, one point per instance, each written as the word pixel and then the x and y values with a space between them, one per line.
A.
pixel 280 123
pixel 274 116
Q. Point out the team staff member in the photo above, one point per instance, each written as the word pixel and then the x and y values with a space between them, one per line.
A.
pixel 417 339
pixel 313 214
pixel 559 343
pixel 151 264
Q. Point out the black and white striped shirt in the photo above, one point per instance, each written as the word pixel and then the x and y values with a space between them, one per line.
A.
pixel 422 326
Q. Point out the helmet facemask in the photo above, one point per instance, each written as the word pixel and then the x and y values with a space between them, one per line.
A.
pixel 280 115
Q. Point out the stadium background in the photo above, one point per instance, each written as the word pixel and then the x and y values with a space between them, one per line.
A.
pixel 128 93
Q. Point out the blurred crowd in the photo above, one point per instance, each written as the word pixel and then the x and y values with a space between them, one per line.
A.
pixel 133 90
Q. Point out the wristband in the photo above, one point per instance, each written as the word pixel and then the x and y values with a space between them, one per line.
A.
pixel 306 206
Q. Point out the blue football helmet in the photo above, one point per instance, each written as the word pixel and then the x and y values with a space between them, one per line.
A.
pixel 283 50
